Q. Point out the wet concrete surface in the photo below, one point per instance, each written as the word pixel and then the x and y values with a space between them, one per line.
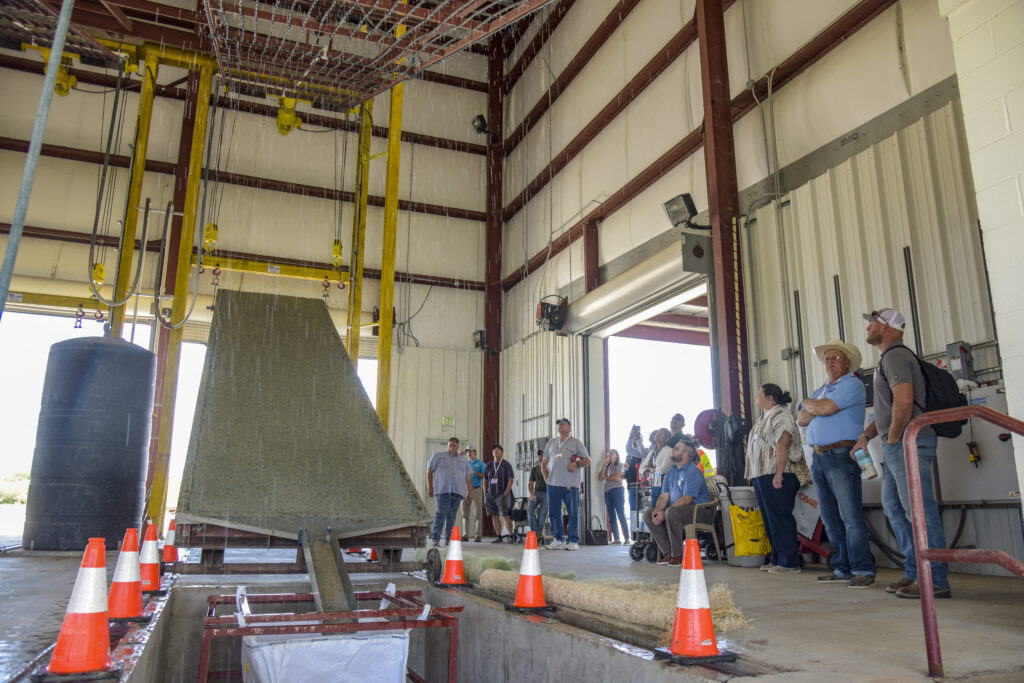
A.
pixel 815 632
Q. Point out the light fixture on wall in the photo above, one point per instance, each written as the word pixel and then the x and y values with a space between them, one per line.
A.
pixel 480 342
pixel 681 211
pixel 480 126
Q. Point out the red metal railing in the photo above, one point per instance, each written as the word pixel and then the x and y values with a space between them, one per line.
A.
pixel 926 555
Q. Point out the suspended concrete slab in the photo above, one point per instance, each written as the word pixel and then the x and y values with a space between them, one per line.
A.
pixel 284 437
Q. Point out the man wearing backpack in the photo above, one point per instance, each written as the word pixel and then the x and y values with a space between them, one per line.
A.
pixel 899 396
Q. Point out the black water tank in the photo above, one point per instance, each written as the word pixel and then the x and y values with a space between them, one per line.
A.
pixel 92 444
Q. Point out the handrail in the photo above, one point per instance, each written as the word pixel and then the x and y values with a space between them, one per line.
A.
pixel 926 555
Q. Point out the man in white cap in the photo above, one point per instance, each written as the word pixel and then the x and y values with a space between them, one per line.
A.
pixel 564 458
pixel 834 417
pixel 899 392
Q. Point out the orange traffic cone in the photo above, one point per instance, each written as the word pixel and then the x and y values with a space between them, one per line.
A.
pixel 126 587
pixel 149 562
pixel 84 640
pixel 454 574
pixel 693 635
pixel 373 555
pixel 170 552
pixel 530 593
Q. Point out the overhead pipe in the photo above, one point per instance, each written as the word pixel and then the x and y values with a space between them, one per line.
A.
pixel 35 147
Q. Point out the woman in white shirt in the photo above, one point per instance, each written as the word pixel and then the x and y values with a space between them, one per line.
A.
pixel 657 462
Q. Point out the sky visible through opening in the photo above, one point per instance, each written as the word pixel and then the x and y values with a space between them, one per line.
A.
pixel 650 381
pixel 25 341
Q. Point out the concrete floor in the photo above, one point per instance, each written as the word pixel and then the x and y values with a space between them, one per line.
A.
pixel 817 632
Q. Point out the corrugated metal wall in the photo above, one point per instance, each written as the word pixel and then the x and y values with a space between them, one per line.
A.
pixel 428 385
pixel 541 381
pixel 851 226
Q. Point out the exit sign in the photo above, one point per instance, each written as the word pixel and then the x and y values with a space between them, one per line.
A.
pixel 447 421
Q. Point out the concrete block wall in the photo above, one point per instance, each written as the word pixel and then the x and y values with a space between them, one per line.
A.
pixel 988 47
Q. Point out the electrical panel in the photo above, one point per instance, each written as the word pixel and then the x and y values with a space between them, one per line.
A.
pixel 966 474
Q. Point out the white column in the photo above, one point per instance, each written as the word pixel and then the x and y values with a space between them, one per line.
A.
pixel 988 46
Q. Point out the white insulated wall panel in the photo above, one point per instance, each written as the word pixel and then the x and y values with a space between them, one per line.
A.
pixel 437 109
pixel 854 222
pixel 541 381
pixel 427 385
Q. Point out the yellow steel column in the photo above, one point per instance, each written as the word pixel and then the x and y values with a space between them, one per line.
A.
pixel 355 292
pixel 387 264
pixel 158 494
pixel 124 259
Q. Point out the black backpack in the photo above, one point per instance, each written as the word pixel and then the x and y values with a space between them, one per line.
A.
pixel 940 392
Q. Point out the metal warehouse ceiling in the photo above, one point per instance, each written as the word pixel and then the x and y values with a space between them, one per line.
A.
pixel 338 54
pixel 334 53
pixel 33 23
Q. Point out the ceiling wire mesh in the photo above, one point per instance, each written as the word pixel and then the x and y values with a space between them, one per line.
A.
pixel 28 22
pixel 337 54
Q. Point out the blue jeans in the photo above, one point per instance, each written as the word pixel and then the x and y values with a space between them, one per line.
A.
pixel 896 503
pixel 777 510
pixel 537 512
pixel 837 482
pixel 615 501
pixel 570 496
pixel 444 517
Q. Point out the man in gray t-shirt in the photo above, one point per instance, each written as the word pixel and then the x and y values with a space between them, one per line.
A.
pixel 449 477
pixel 564 458
pixel 899 396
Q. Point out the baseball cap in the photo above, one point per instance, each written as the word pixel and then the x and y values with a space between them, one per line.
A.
pixel 887 316
pixel 470 448
pixel 562 420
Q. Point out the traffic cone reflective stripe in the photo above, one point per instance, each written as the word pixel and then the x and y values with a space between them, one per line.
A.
pixel 530 592
pixel 126 586
pixel 84 639
pixel 454 573
pixel 693 634
pixel 170 552
pixel 149 561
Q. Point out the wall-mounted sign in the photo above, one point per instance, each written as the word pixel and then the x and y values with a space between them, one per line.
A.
pixel 447 421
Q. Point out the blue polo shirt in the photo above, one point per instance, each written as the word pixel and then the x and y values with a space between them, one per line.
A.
pixel 685 481
pixel 478 466
pixel 847 393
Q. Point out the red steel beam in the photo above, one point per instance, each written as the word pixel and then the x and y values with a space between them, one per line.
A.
pixel 118 14
pixel 680 319
pixel 493 236
pixel 591 263
pixel 723 208
pixel 694 140
pixel 72 237
pixel 666 334
pixel 554 18
pixel 647 75
pixel 513 34
pixel 167 168
pixel 622 196
pixel 571 70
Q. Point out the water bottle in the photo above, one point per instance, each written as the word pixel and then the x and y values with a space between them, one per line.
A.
pixel 867 467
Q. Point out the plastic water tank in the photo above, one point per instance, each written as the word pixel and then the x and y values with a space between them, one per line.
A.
pixel 92 444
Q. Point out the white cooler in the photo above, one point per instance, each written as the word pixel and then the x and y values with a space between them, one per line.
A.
pixel 745 498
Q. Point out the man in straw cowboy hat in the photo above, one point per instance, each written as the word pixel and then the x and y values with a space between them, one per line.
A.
pixel 834 417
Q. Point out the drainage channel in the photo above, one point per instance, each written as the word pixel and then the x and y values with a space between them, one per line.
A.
pixel 635 640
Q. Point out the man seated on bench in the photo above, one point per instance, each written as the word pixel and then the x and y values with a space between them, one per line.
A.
pixel 682 488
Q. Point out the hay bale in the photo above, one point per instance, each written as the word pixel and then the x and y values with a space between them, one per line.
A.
pixel 646 604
